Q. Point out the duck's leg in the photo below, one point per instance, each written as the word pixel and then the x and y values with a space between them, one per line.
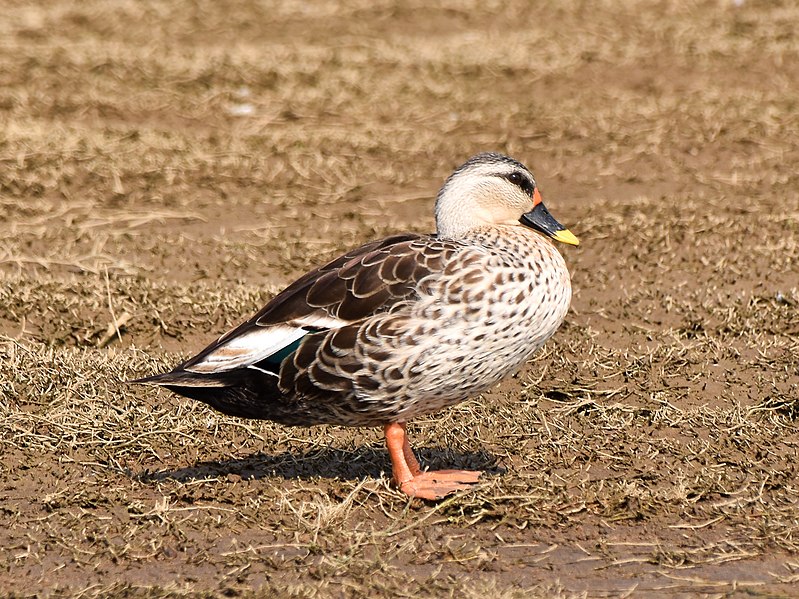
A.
pixel 410 478
pixel 407 452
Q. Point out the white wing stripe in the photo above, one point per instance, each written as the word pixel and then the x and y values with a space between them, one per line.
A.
pixel 259 343
pixel 243 350
pixel 262 370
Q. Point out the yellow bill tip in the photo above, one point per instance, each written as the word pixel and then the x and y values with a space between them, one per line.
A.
pixel 566 236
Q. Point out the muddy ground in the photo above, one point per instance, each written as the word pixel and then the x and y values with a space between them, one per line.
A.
pixel 168 166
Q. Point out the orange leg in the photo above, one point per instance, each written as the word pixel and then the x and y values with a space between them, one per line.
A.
pixel 410 478
pixel 407 452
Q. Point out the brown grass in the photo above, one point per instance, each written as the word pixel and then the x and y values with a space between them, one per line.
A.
pixel 153 195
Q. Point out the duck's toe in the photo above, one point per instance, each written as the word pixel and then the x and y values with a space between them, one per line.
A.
pixel 439 483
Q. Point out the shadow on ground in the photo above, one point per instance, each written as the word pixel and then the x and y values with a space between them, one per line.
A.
pixel 367 462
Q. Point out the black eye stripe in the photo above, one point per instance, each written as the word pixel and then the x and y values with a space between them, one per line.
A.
pixel 521 181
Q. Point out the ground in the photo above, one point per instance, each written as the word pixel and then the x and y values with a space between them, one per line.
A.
pixel 168 166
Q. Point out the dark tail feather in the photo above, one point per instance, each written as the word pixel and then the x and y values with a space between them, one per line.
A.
pixel 182 378
pixel 245 393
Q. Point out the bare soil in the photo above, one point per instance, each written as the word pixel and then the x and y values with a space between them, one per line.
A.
pixel 167 166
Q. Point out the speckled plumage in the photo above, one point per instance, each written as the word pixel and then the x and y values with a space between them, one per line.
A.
pixel 404 326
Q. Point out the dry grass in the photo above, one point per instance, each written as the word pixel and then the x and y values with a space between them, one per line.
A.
pixel 151 196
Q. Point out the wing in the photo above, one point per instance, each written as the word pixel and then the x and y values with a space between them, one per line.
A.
pixel 374 278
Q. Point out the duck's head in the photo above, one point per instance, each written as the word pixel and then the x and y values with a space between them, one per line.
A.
pixel 494 189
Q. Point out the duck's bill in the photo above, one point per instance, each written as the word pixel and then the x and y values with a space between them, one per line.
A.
pixel 541 220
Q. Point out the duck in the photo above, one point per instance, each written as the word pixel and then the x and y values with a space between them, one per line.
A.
pixel 403 326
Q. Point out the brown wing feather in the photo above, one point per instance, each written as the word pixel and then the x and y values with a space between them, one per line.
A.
pixel 292 302
pixel 348 288
pixel 327 287
pixel 328 362
pixel 325 362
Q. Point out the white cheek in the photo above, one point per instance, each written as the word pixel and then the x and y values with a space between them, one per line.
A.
pixel 485 215
pixel 497 210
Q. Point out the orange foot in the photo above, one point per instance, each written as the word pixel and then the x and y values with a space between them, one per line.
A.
pixel 439 483
pixel 410 478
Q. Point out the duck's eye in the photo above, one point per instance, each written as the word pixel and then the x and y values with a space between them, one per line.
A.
pixel 523 182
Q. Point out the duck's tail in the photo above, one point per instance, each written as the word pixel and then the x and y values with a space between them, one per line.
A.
pixel 244 392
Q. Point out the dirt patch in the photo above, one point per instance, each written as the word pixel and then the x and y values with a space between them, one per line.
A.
pixel 650 449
